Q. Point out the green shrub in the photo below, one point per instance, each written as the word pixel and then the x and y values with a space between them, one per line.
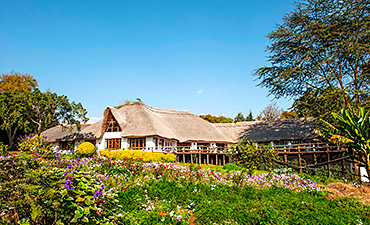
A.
pixel 36 144
pixel 231 166
pixel 86 148
pixel 3 149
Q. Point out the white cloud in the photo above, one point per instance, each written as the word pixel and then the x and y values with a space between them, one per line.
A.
pixel 199 92
pixel 93 120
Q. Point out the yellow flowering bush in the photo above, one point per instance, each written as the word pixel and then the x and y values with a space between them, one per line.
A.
pixel 86 148
pixel 139 155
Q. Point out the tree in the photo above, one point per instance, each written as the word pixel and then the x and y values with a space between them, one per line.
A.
pixel 271 112
pixel 319 104
pixel 324 45
pixel 250 156
pixel 249 117
pixel 13 111
pixel 352 130
pixel 17 82
pixel 24 108
pixel 239 118
pixel 48 109
pixel 216 119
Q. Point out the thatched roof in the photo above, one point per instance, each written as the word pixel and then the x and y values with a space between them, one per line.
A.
pixel 64 133
pixel 266 131
pixel 138 119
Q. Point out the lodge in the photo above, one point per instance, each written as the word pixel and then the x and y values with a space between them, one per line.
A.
pixel 137 126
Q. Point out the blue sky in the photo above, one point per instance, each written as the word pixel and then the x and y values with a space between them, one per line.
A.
pixel 186 55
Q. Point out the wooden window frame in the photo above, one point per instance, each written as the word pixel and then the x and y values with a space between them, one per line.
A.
pixel 113 143
pixel 66 145
pixel 137 143
pixel 112 124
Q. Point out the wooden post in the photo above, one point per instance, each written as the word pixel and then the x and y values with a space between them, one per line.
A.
pixel 200 158
pixel 285 158
pixel 177 158
pixel 191 158
pixel 343 168
pixel 224 158
pixel 299 159
pixel 216 159
pixel 207 158
pixel 183 157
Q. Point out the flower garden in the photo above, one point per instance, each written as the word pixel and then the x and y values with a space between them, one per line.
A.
pixel 98 190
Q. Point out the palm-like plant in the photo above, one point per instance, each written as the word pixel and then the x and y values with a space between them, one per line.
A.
pixel 352 130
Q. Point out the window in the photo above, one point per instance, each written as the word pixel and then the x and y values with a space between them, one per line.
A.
pixel 112 125
pixel 66 145
pixel 137 143
pixel 113 143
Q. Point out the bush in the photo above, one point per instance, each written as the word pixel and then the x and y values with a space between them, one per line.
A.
pixel 35 144
pixel 3 149
pixel 86 148
pixel 139 155
pixel 231 166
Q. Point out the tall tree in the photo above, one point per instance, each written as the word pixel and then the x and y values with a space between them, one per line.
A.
pixel 17 82
pixel 24 108
pixel 271 112
pixel 13 111
pixel 48 109
pixel 239 118
pixel 249 117
pixel 324 45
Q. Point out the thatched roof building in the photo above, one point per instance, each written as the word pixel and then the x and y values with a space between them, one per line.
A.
pixel 301 129
pixel 139 120
pixel 137 125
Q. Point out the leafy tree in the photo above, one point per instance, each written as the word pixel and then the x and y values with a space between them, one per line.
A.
pixel 319 104
pixel 13 111
pixel 322 48
pixel 17 82
pixel 239 118
pixel 250 156
pixel 271 112
pixel 353 130
pixel 249 117
pixel 48 109
pixel 25 109
pixel 216 119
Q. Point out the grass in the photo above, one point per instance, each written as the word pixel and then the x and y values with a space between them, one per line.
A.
pixel 231 205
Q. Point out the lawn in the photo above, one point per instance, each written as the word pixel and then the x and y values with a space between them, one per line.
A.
pixel 61 190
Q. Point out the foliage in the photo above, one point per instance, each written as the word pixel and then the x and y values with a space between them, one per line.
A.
pixel 352 130
pixel 3 149
pixel 324 45
pixel 47 109
pixel 271 112
pixel 231 166
pixel 13 111
pixel 319 103
pixel 250 156
pixel 25 109
pixel 102 191
pixel 86 148
pixel 216 119
pixel 17 82
pixel 144 156
pixel 249 117
pixel 239 118
pixel 36 144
